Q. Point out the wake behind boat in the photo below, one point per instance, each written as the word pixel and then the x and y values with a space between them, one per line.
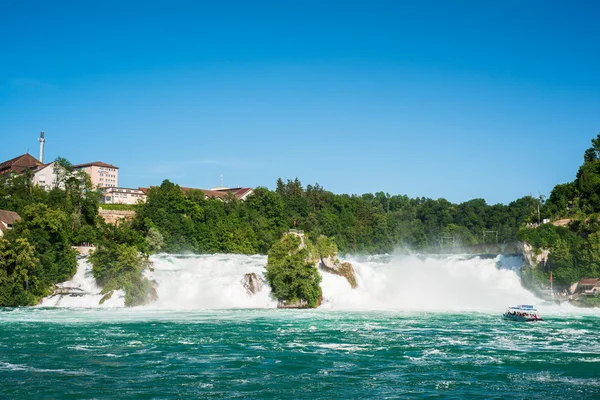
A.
pixel 524 313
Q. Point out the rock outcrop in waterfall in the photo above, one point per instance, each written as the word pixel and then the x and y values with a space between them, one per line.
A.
pixel 293 269
pixel 291 272
pixel 253 283
pixel 329 261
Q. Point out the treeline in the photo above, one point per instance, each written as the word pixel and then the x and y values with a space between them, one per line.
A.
pixel 370 223
pixel 574 248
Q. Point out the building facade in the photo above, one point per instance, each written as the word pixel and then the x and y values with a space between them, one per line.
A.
pixel 45 177
pixel 103 175
pixel 117 195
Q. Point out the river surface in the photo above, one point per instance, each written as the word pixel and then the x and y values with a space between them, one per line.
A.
pixel 297 354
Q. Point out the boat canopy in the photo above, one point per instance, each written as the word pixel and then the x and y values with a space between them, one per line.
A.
pixel 527 308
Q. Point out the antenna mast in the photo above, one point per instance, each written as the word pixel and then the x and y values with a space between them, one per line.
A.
pixel 42 140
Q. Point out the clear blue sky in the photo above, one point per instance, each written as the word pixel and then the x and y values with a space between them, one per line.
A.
pixel 453 99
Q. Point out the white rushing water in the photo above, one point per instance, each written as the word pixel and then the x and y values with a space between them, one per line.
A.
pixel 82 291
pixel 207 281
pixel 399 282
pixel 429 283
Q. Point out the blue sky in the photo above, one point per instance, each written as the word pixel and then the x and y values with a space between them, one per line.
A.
pixel 453 99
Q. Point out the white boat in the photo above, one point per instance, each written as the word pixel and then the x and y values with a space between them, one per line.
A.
pixel 523 313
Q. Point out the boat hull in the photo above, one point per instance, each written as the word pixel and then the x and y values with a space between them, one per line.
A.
pixel 520 319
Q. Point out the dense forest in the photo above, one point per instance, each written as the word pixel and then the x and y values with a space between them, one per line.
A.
pixel 370 223
pixel 37 253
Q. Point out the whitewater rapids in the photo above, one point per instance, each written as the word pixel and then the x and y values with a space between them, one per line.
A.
pixel 82 291
pixel 385 282
pixel 429 283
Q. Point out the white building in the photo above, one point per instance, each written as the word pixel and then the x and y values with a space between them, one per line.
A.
pixel 117 195
pixel 46 177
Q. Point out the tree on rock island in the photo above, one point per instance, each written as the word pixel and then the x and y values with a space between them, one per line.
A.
pixel 291 272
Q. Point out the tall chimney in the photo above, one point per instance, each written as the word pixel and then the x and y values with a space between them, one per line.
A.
pixel 42 141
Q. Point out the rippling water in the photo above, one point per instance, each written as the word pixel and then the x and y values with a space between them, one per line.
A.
pixel 123 353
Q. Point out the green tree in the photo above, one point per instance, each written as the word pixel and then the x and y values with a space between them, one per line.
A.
pixel 154 240
pixel 291 271
pixel 19 274
pixel 590 155
pixel 120 266
pixel 48 231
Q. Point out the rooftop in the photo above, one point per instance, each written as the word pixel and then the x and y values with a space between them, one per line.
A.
pixel 221 193
pixel 95 164
pixel 7 218
pixel 20 164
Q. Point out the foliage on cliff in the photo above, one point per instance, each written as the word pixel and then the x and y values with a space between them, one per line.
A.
pixel 291 271
pixel 328 253
pixel 326 247
pixel 120 266
pixel 574 250
pixel 119 261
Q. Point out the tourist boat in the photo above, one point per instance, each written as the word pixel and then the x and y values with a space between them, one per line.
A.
pixel 524 313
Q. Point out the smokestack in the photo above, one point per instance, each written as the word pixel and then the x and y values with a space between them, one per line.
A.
pixel 42 141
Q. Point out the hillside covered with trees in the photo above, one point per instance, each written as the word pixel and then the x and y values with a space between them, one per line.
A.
pixel 575 247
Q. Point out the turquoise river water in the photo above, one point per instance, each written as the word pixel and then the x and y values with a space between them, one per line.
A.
pixel 68 353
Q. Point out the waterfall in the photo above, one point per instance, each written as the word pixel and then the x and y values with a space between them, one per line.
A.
pixel 207 281
pixel 396 282
pixel 82 291
pixel 429 283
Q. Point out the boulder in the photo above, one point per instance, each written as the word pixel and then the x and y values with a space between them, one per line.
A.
pixel 153 292
pixel 344 269
pixel 252 283
pixel 68 291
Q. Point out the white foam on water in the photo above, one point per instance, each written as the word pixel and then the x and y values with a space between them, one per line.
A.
pixel 385 282
pixel 83 291
pixel 428 283
pixel 208 282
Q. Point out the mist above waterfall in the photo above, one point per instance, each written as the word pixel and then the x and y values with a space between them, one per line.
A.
pixel 428 283
pixel 398 282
